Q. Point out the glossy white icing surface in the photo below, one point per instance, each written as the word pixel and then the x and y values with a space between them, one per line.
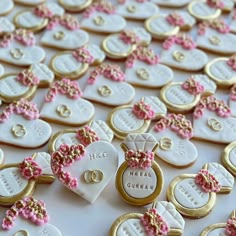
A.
pixel 131 227
pixel 172 3
pixel 217 232
pixel 232 105
pixel 201 9
pixel 6 6
pixel 28 19
pixel 43 159
pixel 96 52
pixel 1 70
pixel 42 71
pixel 143 35
pixel 6 25
pixel 1 156
pixel 209 85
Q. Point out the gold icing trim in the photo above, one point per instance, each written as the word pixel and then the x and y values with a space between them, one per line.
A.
pixel 75 8
pixel 226 160
pixel 210 228
pixel 30 3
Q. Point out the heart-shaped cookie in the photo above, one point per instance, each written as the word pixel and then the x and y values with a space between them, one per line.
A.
pixel 174 146
pixel 30 3
pixel 63 104
pixel 75 5
pixel 105 85
pixel 171 3
pixel 21 127
pixel 89 170
pixel 229 158
pixel 6 25
pixel 6 6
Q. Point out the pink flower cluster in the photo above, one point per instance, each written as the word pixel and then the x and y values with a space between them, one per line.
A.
pixel 22 107
pixel 232 62
pixel 139 159
pixel 109 71
pixel 192 86
pixel 29 208
pixel 87 135
pixel 144 54
pixel 175 19
pixel 65 156
pixel 100 6
pixel 43 11
pixel 143 111
pixel 230 228
pixel 212 104
pixel 83 55
pixel 154 224
pixel 65 87
pixel 215 4
pixel 27 78
pixel 207 181
pixel 129 37
pixel 177 123
pixel 233 93
pixel 183 40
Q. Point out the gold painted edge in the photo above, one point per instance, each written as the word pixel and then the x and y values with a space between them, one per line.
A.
pixel 30 4
pixel 210 228
pixel 225 158
pixel 75 8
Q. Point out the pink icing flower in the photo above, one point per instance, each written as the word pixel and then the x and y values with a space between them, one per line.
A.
pixel 25 37
pixel 232 62
pixel 87 135
pixel 160 126
pixel 218 4
pixel 7 223
pixel 82 55
pixel 27 78
pixel 175 19
pixel 192 86
pixel 143 111
pixel 233 93
pixel 207 181
pixel 129 37
pixel 43 11
pixel 230 228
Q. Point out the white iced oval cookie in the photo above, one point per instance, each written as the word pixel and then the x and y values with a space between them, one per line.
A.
pixel 137 10
pixel 6 25
pixel 6 6
pixel 75 5
pixel 29 2
pixel 171 3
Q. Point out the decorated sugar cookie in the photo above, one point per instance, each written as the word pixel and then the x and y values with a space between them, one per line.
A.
pixel 215 36
pixel 222 71
pixel 173 134
pixel 139 179
pixel 32 210
pixel 18 48
pixel 101 17
pixel 38 18
pixel 180 52
pixel 21 126
pixel 161 219
pixel 63 104
pixel 95 131
pixel 136 9
pixel 229 158
pixel 85 170
pixel 232 100
pixel 184 96
pixel 163 26
pixel 171 3
pixel 106 84
pixel 224 229
pixel 206 9
pixel 20 179
pixel 135 118
pixel 143 69
pixel 75 5
pixel 194 195
pixel 63 32
pixel 6 6
pixel 6 25
pixel 30 3
pixel 233 22
pixel 212 121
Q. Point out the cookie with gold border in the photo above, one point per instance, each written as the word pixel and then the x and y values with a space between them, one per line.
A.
pixel 75 5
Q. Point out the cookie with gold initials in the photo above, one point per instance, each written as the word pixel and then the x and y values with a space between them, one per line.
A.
pixel 6 25
pixel 161 219
pixel 29 3
pixel 85 170
pixel 37 19
pixel 184 96
pixel 194 195
pixel 95 131
pixel 172 3
pixel 6 6
pixel 180 52
pixel 139 179
pixel 173 134
pixel 212 121
pixel 229 158
pixel 75 5
pixel 21 126
pixel 163 26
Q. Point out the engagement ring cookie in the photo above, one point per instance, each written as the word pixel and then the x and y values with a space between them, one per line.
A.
pixel 194 195
pixel 135 118
pixel 75 5
pixel 161 219
pixel 173 134
pixel 180 52
pixel 229 158
pixel 6 25
pixel 139 179
pixel 85 170
pixel 21 126
pixel 63 104
pixel 6 6
pixel 171 3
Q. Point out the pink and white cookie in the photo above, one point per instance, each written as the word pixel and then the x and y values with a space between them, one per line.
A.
pixel 63 104
pixel 6 6
pixel 6 25
pixel 75 5
pixel 173 134
pixel 21 126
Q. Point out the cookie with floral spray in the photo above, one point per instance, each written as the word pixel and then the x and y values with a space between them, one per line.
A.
pixel 184 96
pixel 222 71
pixel 135 118
pixel 97 130
pixel 19 48
pixel 28 217
pixel 75 5
pixel 102 17
pixel 136 9
pixel 171 3
pixel 229 158
pixel 212 121
pixel 63 32
pixel 6 6
pixel 29 3
pixel 143 69
pixel 73 64
pixel 161 219
pixel 194 195
pixel 179 51
pixel 63 104
pixel 106 85
pixel 139 179
pixel 21 126
pixel 163 26
pixel 173 134
pixel 37 19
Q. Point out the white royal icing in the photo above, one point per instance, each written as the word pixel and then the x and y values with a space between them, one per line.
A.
pixel 131 227
pixel 217 232
pixel 55 8
pixel 1 156
pixel 232 156
pixel 232 105
pixel 233 25
pixel 143 35
pixel 173 3
pixel 188 19
pixel 96 52
pixel 228 4
pixel 6 25
pixel 66 138
pixel 202 9
pixel 1 70
pixel 6 6
pixel 209 85
pixel 43 159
